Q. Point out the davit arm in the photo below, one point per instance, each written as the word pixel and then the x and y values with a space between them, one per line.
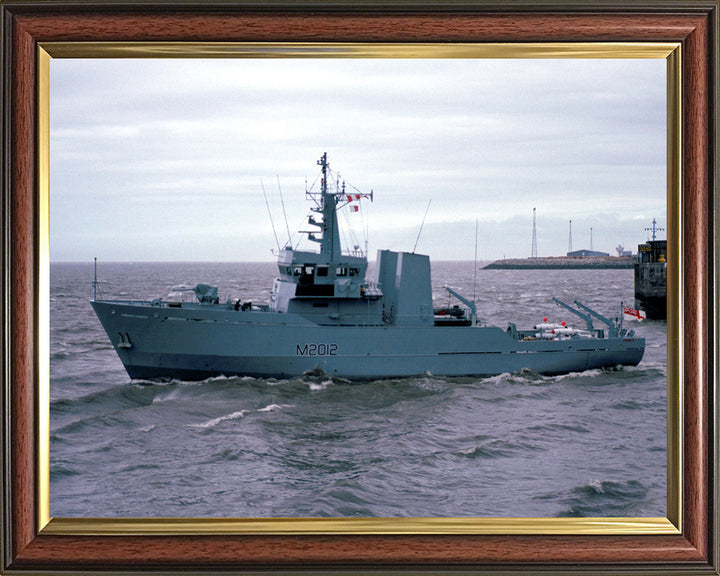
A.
pixel 468 303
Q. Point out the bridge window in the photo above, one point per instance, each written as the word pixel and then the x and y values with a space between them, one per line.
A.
pixel 303 269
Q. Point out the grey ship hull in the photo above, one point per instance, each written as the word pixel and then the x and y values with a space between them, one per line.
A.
pixel 199 341
pixel 651 289
pixel 651 277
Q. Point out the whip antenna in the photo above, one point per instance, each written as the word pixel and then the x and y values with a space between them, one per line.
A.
pixel 270 214
pixel 475 263
pixel 284 215
pixel 421 226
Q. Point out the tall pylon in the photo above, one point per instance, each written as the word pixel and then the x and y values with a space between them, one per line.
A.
pixel 570 239
pixel 533 250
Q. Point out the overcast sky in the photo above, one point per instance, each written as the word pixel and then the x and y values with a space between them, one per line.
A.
pixel 164 160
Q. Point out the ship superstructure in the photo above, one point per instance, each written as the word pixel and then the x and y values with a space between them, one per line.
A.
pixel 324 314
pixel 651 276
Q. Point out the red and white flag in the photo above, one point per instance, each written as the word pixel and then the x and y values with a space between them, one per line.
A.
pixel 631 314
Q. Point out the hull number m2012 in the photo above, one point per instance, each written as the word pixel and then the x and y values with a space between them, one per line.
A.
pixel 316 350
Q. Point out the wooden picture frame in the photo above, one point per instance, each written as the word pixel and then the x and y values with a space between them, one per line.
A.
pixel 687 544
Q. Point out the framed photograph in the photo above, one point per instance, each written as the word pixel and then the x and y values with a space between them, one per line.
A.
pixel 59 61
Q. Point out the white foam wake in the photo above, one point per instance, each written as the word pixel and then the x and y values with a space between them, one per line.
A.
pixel 240 414
pixel 215 421
pixel 274 407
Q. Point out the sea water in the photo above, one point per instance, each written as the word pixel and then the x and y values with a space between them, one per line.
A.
pixel 522 444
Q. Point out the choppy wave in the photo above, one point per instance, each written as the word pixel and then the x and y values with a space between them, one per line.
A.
pixel 239 414
pixel 555 428
pixel 274 407
pixel 314 386
pixel 215 421
pixel 587 374
pixel 605 498
pixel 62 470
pixel 484 452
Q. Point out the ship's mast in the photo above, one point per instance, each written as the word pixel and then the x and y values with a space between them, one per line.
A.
pixel 654 228
pixel 327 205
pixel 330 245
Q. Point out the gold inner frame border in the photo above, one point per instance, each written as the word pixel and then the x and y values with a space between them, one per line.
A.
pixel 671 524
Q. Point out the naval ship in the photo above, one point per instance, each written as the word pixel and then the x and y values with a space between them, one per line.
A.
pixel 323 314
pixel 651 276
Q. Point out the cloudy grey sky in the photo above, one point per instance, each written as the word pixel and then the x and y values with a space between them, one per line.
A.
pixel 163 160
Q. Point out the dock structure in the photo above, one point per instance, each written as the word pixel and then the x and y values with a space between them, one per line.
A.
pixel 563 263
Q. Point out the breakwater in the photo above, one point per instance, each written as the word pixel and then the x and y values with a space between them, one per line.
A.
pixel 562 263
